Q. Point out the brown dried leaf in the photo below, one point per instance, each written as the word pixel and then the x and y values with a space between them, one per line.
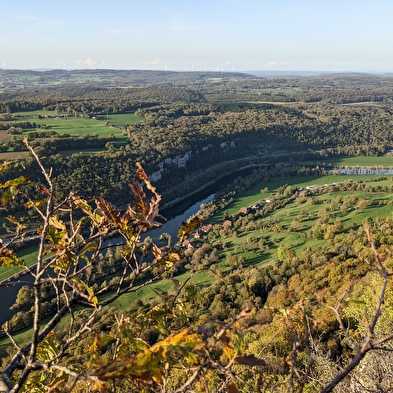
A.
pixel 250 360
pixel 232 387
pixel 110 212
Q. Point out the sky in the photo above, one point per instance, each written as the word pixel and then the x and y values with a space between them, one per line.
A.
pixel 198 35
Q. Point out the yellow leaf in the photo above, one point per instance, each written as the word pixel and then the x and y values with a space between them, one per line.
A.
pixel 55 222
pixel 229 352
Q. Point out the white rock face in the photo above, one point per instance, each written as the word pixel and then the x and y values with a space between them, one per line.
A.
pixel 178 161
pixel 181 161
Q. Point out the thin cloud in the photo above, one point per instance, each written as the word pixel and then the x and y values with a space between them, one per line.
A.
pixel 155 61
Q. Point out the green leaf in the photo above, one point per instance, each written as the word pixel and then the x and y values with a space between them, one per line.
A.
pixel 55 236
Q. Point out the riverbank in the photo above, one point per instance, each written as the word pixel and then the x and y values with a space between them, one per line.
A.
pixel 213 175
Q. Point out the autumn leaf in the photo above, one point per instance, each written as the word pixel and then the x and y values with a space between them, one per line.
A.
pixel 8 258
pixel 8 196
pixel 56 223
pixel 232 387
pixel 147 367
pixel 15 182
pixel 110 212
pixel 187 228
pixel 175 281
pixel 250 360
pixel 139 196
pixel 43 189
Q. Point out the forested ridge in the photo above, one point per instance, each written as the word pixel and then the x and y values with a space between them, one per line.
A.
pixel 289 294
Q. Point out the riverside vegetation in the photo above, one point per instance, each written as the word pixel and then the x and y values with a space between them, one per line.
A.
pixel 290 293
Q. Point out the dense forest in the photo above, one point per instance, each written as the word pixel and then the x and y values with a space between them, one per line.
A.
pixel 307 319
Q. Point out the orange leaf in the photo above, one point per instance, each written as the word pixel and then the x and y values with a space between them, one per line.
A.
pixel 232 387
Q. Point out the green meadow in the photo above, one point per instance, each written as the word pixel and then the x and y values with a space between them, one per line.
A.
pixel 73 126
pixel 362 161
pixel 276 224
pixel 122 119
pixel 62 123
pixel 237 245
pixel 255 195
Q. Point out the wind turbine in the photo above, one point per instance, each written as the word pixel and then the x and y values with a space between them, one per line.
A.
pixel 10 64
pixel 64 64
pixel 192 67
pixel 166 67
pixel 204 67
pixel 4 65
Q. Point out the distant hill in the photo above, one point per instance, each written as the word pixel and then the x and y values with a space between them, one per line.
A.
pixel 16 79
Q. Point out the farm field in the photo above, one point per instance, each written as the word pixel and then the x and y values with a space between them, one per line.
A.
pixel 72 126
pixel 62 123
pixel 79 126
pixel 293 224
pixel 363 161
pixel 28 254
pixel 281 90
pixel 122 119
pixel 255 195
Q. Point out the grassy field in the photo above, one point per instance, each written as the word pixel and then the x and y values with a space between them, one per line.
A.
pixel 122 119
pixel 75 127
pixel 62 123
pixel 254 195
pixel 310 213
pixel 79 126
pixel 363 161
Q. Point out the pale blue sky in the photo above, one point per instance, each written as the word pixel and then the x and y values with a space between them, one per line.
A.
pixel 238 35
